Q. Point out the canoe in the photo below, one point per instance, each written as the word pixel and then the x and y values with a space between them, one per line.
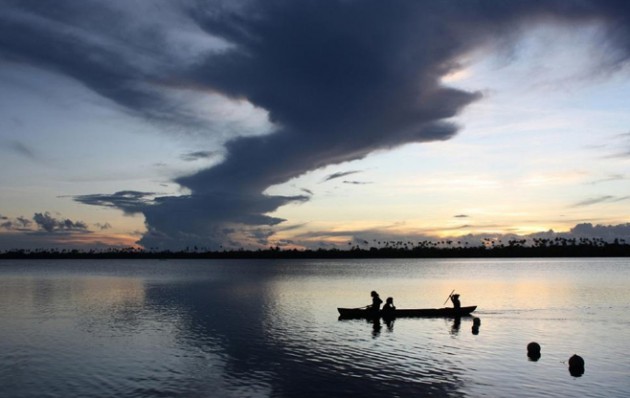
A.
pixel 447 312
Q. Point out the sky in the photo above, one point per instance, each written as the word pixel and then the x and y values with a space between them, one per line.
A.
pixel 229 124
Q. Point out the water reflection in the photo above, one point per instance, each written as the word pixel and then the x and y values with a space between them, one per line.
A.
pixel 457 323
pixel 389 322
pixel 270 329
pixel 263 344
pixel 376 327
pixel 476 325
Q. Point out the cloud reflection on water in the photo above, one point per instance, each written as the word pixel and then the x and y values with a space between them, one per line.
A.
pixel 265 343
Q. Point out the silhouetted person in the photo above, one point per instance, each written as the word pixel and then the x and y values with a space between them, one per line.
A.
pixel 455 299
pixel 376 302
pixel 388 308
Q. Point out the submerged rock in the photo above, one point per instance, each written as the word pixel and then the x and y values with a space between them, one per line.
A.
pixel 533 351
pixel 576 365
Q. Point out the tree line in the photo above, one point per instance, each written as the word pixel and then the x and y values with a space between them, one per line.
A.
pixel 539 247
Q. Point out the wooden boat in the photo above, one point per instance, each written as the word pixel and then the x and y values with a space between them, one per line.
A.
pixel 447 312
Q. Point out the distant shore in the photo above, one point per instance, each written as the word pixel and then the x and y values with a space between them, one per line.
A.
pixel 541 248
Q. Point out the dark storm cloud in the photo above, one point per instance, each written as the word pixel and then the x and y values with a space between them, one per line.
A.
pixel 340 80
pixel 120 51
pixel 50 224
pixel 212 218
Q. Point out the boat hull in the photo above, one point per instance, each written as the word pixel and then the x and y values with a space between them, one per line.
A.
pixel 353 313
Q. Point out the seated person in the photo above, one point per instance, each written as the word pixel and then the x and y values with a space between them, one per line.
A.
pixel 388 308
pixel 376 302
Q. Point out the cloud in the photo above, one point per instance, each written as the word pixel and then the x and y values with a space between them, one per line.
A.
pixel 357 182
pixel 19 224
pixel 601 199
pixel 620 144
pixel 461 216
pixel 56 241
pixel 22 149
pixel 340 174
pixel 23 222
pixel 130 202
pixel 307 191
pixel 50 224
pixel 44 222
pixel 192 156
pixel 611 177
pixel 212 219
pixel 607 232
pixel 102 226
pixel 47 232
pixel 338 79
pixel 593 201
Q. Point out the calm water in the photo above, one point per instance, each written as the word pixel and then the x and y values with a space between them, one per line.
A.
pixel 270 328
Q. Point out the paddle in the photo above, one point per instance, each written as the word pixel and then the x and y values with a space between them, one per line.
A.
pixel 449 296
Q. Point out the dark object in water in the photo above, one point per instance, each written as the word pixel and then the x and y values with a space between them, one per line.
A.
pixel 475 327
pixel 576 366
pixel 533 351
pixel 447 312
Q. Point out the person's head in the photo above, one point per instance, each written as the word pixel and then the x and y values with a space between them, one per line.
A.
pixel 456 295
pixel 390 300
pixel 374 294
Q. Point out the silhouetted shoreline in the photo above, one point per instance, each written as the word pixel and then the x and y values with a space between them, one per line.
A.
pixel 514 248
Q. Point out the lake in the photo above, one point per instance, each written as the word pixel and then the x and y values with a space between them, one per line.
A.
pixel 270 328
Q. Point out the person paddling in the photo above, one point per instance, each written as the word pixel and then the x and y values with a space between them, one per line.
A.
pixel 455 299
pixel 376 302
